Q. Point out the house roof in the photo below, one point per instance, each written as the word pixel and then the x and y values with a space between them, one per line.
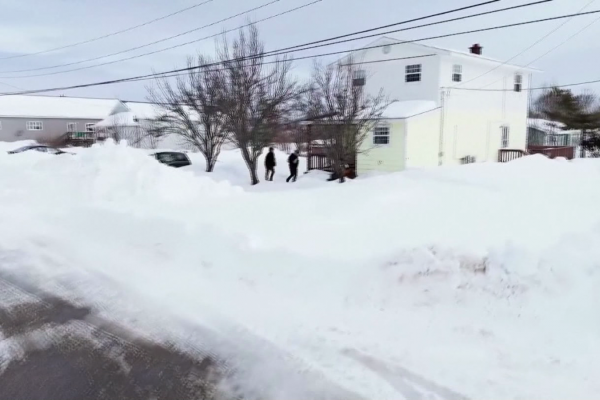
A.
pixel 447 51
pixel 26 106
pixel 407 109
pixel 143 110
pixel 546 126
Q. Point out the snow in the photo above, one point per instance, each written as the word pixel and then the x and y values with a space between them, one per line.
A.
pixel 56 107
pixel 407 109
pixel 477 281
pixel 126 118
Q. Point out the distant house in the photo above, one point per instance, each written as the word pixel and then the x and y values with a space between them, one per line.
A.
pixel 541 132
pixel 45 118
pixel 433 120
pixel 139 124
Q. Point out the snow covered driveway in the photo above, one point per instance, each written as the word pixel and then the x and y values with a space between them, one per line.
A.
pixel 466 282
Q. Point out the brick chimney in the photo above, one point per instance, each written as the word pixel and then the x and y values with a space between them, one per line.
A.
pixel 476 49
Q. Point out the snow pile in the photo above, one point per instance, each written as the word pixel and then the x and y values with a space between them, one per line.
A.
pixel 477 281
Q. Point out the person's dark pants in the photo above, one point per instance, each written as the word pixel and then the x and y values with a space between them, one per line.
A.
pixel 269 173
pixel 293 174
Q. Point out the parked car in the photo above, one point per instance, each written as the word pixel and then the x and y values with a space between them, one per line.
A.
pixel 173 158
pixel 38 148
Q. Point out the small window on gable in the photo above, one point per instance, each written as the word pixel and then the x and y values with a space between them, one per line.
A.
pixel 381 135
pixel 457 73
pixel 413 73
pixel 518 82
pixel 359 77
pixel 505 136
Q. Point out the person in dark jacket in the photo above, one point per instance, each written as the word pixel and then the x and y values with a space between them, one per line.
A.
pixel 293 160
pixel 270 164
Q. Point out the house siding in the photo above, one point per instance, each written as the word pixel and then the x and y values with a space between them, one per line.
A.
pixel 473 119
pixel 422 140
pixel 15 129
pixel 386 158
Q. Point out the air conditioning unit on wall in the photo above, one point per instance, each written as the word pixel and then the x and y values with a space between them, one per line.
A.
pixel 468 160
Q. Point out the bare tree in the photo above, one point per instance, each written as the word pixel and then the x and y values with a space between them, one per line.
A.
pixel 344 112
pixel 255 96
pixel 191 109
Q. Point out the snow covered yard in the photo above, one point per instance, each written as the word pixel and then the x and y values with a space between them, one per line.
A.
pixel 478 281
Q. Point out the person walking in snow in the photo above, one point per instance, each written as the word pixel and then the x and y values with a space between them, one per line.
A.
pixel 270 164
pixel 293 161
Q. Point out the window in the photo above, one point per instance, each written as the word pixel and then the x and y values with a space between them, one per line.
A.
pixel 72 127
pixel 413 73
pixel 518 82
pixel 35 126
pixel 381 135
pixel 505 136
pixel 90 128
pixel 359 77
pixel 0 125
pixel 457 73
pixel 386 49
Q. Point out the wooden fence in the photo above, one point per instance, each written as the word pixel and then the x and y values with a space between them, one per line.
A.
pixel 506 155
pixel 567 152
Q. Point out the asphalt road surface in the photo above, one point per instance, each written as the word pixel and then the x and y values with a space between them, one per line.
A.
pixel 50 350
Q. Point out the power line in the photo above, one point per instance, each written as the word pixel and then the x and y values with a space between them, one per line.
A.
pixel 526 89
pixel 138 47
pixel 555 47
pixel 321 42
pixel 243 26
pixel 296 59
pixel 279 52
pixel 413 27
pixel 525 50
pixel 110 34
pixel 168 48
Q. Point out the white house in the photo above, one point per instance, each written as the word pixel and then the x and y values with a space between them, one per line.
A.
pixel 434 119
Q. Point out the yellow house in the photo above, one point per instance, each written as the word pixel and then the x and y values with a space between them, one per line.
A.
pixel 407 135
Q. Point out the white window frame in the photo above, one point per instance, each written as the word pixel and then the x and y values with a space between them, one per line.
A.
pixel 69 124
pixel 358 75
pixel 35 126
pixel 87 127
pixel 518 87
pixel 413 71
pixel 457 73
pixel 504 136
pixel 379 134
pixel 0 125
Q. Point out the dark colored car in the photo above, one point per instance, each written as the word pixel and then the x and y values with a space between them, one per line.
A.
pixel 38 148
pixel 173 158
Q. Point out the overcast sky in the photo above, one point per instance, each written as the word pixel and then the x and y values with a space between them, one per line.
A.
pixel 28 26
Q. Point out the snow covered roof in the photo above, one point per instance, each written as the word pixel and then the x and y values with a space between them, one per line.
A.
pixel 553 127
pixel 55 107
pixel 143 110
pixel 407 109
pixel 127 118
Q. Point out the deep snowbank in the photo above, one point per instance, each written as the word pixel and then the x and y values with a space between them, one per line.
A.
pixel 481 279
